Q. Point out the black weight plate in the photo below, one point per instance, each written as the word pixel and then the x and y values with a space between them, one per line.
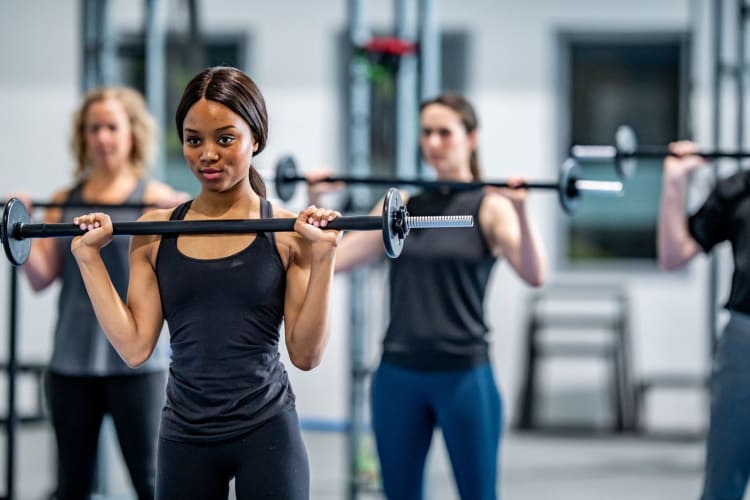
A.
pixel 286 170
pixel 393 241
pixel 17 250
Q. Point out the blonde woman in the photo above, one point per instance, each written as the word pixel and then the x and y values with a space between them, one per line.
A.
pixel 113 140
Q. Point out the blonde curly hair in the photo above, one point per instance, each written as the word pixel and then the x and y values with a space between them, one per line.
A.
pixel 142 126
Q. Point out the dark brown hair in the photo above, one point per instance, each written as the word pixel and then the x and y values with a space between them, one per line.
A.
pixel 465 111
pixel 238 92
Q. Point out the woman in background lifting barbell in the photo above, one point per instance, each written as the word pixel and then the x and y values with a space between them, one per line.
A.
pixel 230 409
pixel 435 369
pixel 723 217
pixel 113 143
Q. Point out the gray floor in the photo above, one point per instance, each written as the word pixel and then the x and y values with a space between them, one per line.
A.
pixel 538 467
pixel 534 467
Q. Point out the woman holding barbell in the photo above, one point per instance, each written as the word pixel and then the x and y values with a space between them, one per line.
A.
pixel 722 217
pixel 230 409
pixel 113 141
pixel 435 368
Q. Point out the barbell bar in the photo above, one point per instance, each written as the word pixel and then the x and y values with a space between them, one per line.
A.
pixel 85 204
pixel 626 152
pixel 16 229
pixel 568 185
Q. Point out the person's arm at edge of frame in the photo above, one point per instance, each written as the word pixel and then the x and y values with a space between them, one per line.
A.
pixel 675 246
pixel 308 291
pixel 133 328
pixel 510 232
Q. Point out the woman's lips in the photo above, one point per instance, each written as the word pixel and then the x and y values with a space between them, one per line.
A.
pixel 210 173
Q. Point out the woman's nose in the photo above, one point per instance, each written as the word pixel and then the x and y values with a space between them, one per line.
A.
pixel 432 139
pixel 102 134
pixel 208 155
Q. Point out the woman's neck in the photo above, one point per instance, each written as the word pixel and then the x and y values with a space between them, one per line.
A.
pixel 109 186
pixel 238 202
pixel 456 175
pixel 106 175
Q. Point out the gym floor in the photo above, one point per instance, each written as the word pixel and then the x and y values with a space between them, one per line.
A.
pixel 534 467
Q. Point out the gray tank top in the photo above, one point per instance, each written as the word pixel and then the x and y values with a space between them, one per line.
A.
pixel 80 346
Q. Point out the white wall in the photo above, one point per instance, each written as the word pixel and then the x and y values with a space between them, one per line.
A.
pixel 514 81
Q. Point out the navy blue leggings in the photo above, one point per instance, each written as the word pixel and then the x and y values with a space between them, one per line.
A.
pixel 406 407
pixel 268 463
pixel 78 404
pixel 727 466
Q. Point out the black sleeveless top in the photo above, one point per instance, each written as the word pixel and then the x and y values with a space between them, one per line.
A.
pixel 80 346
pixel 224 317
pixel 725 216
pixel 437 290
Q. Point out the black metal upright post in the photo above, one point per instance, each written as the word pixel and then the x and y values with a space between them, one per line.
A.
pixel 713 269
pixel 429 57
pixel 99 68
pixel 155 41
pixel 358 129
pixel 11 418
pixel 740 76
pixel 99 50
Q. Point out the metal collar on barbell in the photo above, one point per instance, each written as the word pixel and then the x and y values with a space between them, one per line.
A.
pixel 622 152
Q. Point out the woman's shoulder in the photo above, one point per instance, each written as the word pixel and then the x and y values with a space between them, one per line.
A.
pixel 157 214
pixel 163 195
pixel 282 213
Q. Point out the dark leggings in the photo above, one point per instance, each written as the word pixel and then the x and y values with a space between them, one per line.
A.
pixel 270 463
pixel 407 405
pixel 78 405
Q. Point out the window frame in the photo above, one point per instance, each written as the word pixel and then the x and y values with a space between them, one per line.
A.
pixel 565 40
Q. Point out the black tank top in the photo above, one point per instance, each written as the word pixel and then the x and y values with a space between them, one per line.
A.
pixel 224 317
pixel 437 289
pixel 725 216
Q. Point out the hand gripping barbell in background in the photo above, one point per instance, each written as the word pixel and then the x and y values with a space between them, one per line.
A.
pixel 16 229
pixel 568 184
pixel 626 152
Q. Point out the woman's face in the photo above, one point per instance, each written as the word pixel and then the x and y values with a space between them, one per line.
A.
pixel 445 143
pixel 218 145
pixel 107 133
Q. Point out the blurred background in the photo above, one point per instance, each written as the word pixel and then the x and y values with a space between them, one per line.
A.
pixel 611 401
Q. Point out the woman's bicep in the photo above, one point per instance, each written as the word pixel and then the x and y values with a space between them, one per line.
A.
pixel 144 298
pixel 297 279
pixel 499 226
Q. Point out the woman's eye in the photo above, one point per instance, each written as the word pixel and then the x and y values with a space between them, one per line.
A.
pixel 192 141
pixel 225 139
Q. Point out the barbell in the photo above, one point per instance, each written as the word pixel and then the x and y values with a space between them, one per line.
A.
pixel 626 152
pixel 568 184
pixel 85 204
pixel 16 229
